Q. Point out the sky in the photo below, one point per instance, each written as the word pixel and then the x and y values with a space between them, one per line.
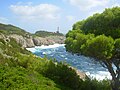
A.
pixel 35 15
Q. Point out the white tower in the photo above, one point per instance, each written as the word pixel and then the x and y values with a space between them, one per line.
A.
pixel 58 30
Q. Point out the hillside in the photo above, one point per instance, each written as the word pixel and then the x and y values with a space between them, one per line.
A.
pixel 19 69
pixel 46 34
pixel 27 39
pixel 10 29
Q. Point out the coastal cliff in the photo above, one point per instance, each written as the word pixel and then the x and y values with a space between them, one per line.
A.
pixel 27 39
pixel 34 41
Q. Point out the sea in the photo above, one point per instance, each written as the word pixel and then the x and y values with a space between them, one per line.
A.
pixel 91 67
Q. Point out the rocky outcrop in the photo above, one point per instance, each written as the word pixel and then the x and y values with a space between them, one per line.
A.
pixel 41 41
pixel 30 41
pixel 48 40
pixel 81 74
pixel 24 41
pixel 56 39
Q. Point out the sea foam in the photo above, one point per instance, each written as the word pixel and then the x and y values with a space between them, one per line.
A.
pixel 100 75
pixel 49 46
pixel 34 49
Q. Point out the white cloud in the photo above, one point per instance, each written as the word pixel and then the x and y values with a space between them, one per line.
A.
pixel 88 4
pixel 36 12
pixel 70 18
pixel 3 20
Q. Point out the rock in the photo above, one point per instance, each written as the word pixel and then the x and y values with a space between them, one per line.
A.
pixel 48 40
pixel 25 42
pixel 38 41
pixel 57 39
pixel 82 75
pixel 29 42
pixel 19 39
pixel 34 41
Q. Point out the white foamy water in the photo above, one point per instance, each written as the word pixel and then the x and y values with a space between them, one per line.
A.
pixel 49 46
pixel 34 49
pixel 88 65
pixel 100 75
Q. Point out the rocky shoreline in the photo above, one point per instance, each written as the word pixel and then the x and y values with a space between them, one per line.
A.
pixel 30 41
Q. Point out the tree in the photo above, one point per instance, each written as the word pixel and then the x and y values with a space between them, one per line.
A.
pixel 106 49
pixel 103 48
pixel 74 40
pixel 68 45
pixel 73 33
pixel 107 23
pixel 100 47
pixel 78 25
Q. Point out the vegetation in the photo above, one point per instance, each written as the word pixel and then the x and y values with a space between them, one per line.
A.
pixel 107 23
pixel 46 34
pixel 21 70
pixel 103 48
pixel 10 29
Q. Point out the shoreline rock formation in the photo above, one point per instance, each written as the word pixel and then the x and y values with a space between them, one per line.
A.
pixel 31 41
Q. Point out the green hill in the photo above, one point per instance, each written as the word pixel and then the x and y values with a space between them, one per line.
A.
pixel 10 29
pixel 46 34
pixel 21 70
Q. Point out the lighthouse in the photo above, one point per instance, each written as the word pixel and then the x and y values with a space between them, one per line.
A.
pixel 57 30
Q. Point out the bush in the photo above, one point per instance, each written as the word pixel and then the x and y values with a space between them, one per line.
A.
pixel 63 74
pixel 66 76
pixel 117 44
pixel 94 84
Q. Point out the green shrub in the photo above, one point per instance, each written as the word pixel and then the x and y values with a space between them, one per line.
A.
pixel 117 44
pixel 63 74
pixel 94 84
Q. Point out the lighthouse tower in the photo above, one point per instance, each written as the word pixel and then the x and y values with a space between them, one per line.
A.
pixel 57 30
